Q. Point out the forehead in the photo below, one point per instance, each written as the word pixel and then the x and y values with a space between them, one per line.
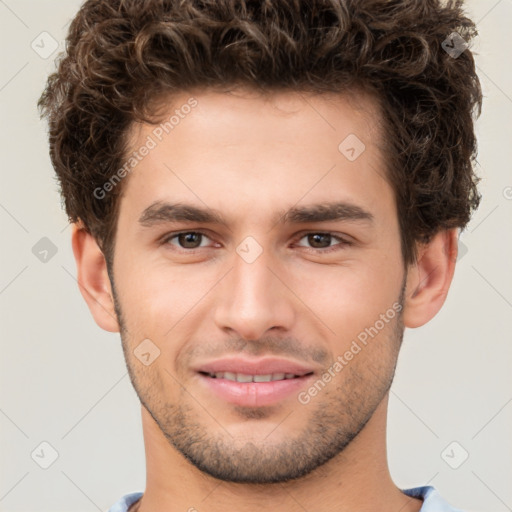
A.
pixel 236 147
pixel 283 109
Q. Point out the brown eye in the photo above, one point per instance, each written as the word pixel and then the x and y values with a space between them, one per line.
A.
pixel 187 240
pixel 323 242
pixel 319 240
pixel 190 240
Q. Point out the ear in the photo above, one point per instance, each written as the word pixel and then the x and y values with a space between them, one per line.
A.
pixel 429 279
pixel 93 279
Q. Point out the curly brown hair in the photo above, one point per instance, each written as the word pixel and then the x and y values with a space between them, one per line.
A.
pixel 122 55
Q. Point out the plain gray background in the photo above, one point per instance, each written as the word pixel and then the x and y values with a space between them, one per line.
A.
pixel 64 381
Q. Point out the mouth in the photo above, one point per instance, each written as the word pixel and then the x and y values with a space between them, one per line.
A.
pixel 244 377
pixel 254 383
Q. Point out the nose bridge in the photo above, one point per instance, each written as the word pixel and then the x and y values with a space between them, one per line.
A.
pixel 253 300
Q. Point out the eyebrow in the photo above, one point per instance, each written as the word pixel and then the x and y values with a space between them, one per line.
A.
pixel 162 212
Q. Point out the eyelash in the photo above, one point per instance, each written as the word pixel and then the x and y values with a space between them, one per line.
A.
pixel 342 242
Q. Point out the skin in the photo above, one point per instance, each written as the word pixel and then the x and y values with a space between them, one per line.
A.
pixel 251 158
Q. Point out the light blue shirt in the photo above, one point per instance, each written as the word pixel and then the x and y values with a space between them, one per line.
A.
pixel 432 501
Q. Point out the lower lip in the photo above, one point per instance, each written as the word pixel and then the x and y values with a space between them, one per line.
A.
pixel 254 394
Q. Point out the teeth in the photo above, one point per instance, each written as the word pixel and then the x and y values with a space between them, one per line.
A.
pixel 243 377
pixel 240 377
pixel 263 378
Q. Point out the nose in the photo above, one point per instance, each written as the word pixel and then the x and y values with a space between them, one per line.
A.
pixel 254 299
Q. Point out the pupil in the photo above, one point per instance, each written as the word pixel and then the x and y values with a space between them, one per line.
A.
pixel 189 240
pixel 317 238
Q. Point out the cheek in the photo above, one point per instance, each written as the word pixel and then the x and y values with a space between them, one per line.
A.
pixel 349 299
pixel 159 301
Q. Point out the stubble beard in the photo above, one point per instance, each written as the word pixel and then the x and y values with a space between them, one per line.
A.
pixel 338 414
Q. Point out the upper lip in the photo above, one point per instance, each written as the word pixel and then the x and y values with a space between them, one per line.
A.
pixel 255 366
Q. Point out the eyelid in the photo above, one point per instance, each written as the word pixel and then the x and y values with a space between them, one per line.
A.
pixel 343 240
pixel 170 236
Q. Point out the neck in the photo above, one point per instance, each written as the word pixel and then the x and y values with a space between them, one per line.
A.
pixel 357 479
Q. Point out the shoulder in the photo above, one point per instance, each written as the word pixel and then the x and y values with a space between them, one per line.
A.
pixel 125 502
pixel 432 500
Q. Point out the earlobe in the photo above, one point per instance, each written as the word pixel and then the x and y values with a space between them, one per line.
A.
pixel 429 279
pixel 93 279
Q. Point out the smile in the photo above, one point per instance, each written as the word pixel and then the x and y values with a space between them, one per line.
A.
pixel 244 377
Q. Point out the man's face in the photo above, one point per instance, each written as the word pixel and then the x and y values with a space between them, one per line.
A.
pixel 264 292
